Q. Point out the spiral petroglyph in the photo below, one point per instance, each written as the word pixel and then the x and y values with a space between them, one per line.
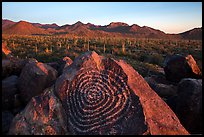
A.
pixel 98 99
pixel 103 96
pixel 98 96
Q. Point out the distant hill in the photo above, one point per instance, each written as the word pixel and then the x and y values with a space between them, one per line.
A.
pixel 46 26
pixel 195 33
pixel 114 29
pixel 7 23
pixel 24 28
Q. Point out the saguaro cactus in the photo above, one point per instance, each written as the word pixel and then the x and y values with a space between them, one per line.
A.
pixel 104 48
pixel 36 49
pixel 123 48
pixel 88 45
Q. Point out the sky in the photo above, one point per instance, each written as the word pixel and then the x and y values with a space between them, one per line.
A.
pixel 170 17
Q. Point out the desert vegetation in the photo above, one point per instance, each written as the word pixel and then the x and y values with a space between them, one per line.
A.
pixel 145 55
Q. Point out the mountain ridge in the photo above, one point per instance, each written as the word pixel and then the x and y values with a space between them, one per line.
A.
pixel 23 28
pixel 89 29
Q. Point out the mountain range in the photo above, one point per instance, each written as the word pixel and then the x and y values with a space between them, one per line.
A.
pixel 114 29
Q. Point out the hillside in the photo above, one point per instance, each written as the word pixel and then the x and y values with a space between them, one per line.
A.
pixel 195 33
pixel 24 28
pixel 7 23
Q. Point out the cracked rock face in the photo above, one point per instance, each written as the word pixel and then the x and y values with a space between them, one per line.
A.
pixel 102 96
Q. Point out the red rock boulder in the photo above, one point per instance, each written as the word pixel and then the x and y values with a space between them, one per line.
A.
pixel 43 115
pixel 104 96
pixel 178 67
pixel 34 78
pixel 14 66
pixel 64 63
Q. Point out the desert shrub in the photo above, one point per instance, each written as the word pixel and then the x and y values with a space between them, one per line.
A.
pixel 143 57
pixel 139 52
pixel 156 59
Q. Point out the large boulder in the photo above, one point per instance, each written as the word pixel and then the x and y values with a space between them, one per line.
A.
pixel 14 66
pixel 162 87
pixel 6 118
pixel 105 96
pixel 99 96
pixel 64 63
pixel 6 52
pixel 34 78
pixel 43 115
pixel 18 104
pixel 9 90
pixel 177 67
pixel 189 104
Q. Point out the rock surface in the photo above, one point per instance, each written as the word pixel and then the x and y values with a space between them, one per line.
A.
pixel 55 65
pixel 6 53
pixel 178 67
pixel 9 89
pixel 161 86
pixel 64 63
pixel 105 96
pixel 165 90
pixel 34 78
pixel 14 66
pixel 100 96
pixel 7 118
pixel 43 115
pixel 189 104
pixel 68 62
